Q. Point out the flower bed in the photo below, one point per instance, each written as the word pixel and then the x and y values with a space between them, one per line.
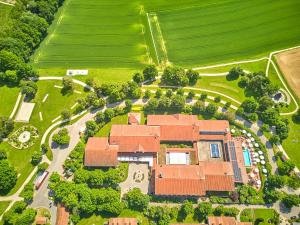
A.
pixel 24 137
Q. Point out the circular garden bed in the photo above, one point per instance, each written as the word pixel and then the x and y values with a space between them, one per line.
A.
pixel 24 137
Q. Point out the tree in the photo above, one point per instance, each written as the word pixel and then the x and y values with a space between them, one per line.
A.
pixel 193 76
pixel 227 105
pixel 290 200
pixel 109 114
pixel 276 181
pixel 203 210
pixel 191 95
pixel 27 217
pixel 91 128
pixel 3 154
pixel 137 200
pixel 29 88
pixel 217 99
pixel 203 96
pixel 175 76
pixel 177 102
pixel 100 117
pixel 198 107
pixel 264 128
pixel 234 73
pixel 36 157
pixel 275 139
pixel 90 82
pixel 150 72
pixel 169 93
pixel 211 109
pixel 271 196
pixel 185 209
pixel 62 137
pixel 6 127
pixel 249 105
pixel 282 129
pixel 158 93
pixel 8 177
pixel 286 167
pixel 164 102
pixel 66 114
pixel 9 61
pixel 68 84
pixel 265 102
pixel 270 116
pixel 147 94
pixel 11 76
pixel 151 105
pixel 138 78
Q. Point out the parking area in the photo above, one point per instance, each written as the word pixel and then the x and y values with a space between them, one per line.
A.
pixel 138 176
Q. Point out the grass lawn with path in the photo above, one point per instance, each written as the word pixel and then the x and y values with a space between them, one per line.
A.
pixel 51 108
pixel 8 99
pixel 3 206
pixel 254 214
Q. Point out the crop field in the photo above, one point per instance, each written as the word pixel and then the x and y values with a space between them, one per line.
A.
pixel 94 34
pixel 228 30
pixel 289 63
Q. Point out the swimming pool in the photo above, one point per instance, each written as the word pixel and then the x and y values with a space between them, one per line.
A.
pixel 247 157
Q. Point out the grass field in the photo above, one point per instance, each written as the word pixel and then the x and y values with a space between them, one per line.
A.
pixel 94 34
pixel 254 214
pixel 228 30
pixel 8 98
pixel 4 15
pixel 3 206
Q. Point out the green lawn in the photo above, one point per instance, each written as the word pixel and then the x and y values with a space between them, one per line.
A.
pixel 100 220
pixel 223 31
pixel 8 98
pixel 91 35
pixel 4 15
pixel 3 206
pixel 51 108
pixel 291 144
pixel 254 214
pixel 104 131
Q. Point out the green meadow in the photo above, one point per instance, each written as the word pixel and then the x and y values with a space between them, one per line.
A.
pixel 229 30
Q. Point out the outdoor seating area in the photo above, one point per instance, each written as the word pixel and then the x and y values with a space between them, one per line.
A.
pixel 254 158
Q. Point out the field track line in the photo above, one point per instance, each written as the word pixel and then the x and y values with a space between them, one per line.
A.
pixel 231 63
pixel 150 27
pixel 6 3
pixel 16 106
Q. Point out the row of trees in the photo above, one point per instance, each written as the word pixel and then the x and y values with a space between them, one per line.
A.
pixel 179 77
pixel 19 215
pixel 8 174
pixel 99 178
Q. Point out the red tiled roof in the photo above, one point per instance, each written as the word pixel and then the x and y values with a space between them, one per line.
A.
pixel 41 220
pixel 99 153
pixel 190 180
pixel 135 138
pixel 213 125
pixel 62 216
pixel 176 119
pixel 134 118
pixel 122 221
pixel 179 132
pixel 225 220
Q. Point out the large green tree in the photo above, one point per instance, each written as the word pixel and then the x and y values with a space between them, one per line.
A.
pixel 8 177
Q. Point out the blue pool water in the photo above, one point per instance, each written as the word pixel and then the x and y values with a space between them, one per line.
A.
pixel 247 157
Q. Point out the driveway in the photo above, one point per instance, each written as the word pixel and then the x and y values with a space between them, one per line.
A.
pixel 138 176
